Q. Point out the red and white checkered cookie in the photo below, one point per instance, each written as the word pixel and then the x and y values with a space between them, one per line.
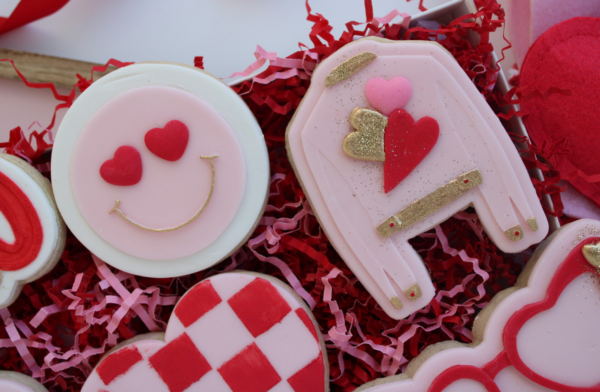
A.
pixel 235 332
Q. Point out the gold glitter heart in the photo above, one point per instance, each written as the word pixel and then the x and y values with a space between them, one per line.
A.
pixel 592 254
pixel 367 142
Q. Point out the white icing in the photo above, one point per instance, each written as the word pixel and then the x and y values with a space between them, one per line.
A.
pixel 6 232
pixel 510 380
pixel 226 102
pixel 563 343
pixel 48 219
pixel 466 386
pixel 13 386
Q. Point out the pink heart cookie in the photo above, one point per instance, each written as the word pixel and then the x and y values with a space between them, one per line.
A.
pixel 387 96
pixel 237 332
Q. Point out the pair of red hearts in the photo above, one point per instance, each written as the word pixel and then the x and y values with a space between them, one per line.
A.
pixel 168 143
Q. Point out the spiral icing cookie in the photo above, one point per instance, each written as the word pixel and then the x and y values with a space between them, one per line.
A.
pixel 17 382
pixel 160 170
pixel 32 233
pixel 234 332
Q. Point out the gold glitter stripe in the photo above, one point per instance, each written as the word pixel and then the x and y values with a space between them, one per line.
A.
pixel 212 188
pixel 429 204
pixel 349 68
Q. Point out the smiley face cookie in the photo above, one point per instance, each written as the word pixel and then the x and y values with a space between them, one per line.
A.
pixel 160 169
pixel 32 233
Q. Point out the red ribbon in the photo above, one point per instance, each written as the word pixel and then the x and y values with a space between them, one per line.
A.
pixel 28 11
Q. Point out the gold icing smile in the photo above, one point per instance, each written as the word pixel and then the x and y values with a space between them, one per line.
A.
pixel 193 218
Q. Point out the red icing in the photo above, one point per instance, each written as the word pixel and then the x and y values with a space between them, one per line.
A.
pixel 170 142
pixel 26 226
pixel 461 372
pixel 310 378
pixel 118 363
pixel 196 303
pixel 561 100
pixel 573 266
pixel 124 169
pixel 250 371
pixel 406 144
pixel 259 306
pixel 307 321
pixel 180 364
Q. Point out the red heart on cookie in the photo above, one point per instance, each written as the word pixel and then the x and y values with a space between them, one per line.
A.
pixel 170 142
pixel 124 169
pixel 406 144
pixel 565 58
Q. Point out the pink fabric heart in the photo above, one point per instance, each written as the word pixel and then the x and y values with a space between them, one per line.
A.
pixel 388 96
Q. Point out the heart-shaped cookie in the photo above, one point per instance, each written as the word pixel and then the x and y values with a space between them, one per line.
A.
pixel 387 96
pixel 367 142
pixel 406 144
pixel 170 142
pixel 237 332
pixel 570 119
pixel 124 169
pixel 563 325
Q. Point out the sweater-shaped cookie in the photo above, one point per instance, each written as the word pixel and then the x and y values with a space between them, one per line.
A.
pixel 391 139
pixel 539 336
pixel 32 233
pixel 160 169
pixel 234 332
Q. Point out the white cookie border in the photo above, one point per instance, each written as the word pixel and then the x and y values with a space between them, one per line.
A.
pixel 226 102
pixel 53 241
pixel 22 379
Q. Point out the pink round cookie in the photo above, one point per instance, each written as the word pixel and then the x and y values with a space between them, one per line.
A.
pixel 160 170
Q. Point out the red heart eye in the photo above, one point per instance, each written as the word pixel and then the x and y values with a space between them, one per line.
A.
pixel 124 169
pixel 170 142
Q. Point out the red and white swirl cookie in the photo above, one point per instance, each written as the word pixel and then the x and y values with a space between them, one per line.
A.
pixel 234 332
pixel 32 233
pixel 160 170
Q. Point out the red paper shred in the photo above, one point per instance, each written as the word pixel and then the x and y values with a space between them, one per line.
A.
pixel 61 324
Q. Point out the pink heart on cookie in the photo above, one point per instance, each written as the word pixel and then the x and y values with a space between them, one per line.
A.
pixel 387 96
pixel 232 332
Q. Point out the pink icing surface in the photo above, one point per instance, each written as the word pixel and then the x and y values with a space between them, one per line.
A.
pixel 169 193
pixel 13 386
